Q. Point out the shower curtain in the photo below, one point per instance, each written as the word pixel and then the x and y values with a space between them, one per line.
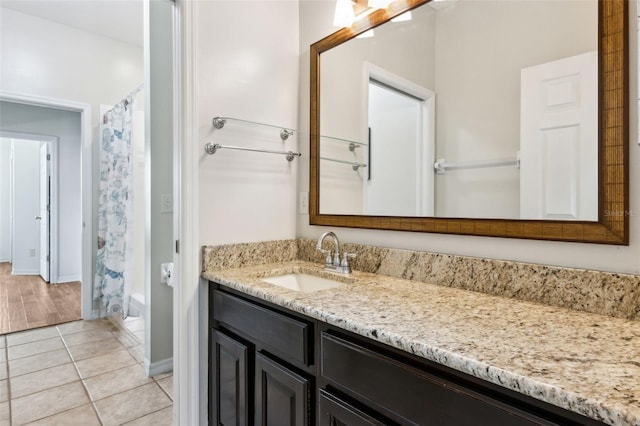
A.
pixel 111 285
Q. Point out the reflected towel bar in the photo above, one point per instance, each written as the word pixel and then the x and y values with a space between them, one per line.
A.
pixel 441 166
pixel 353 145
pixel 212 148
pixel 354 166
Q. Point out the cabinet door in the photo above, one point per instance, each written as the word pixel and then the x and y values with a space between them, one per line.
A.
pixel 336 412
pixel 282 396
pixel 229 400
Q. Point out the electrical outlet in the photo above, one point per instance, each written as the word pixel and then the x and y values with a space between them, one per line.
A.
pixel 32 252
pixel 166 203
pixel 303 203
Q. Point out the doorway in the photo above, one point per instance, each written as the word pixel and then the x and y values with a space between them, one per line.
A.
pixel 29 213
pixel 29 230
pixel 56 286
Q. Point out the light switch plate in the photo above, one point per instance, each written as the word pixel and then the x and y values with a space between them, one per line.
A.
pixel 166 203
pixel 303 203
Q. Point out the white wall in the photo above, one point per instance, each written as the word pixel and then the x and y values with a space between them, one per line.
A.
pixel 44 58
pixel 5 200
pixel 25 203
pixel 65 125
pixel 315 23
pixel 248 69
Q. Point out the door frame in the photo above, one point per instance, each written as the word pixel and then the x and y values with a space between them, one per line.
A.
pixel 86 183
pixel 53 142
pixel 47 189
pixel 190 334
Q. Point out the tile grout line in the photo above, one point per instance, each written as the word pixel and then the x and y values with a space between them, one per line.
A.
pixel 162 389
pixel 84 386
pixel 148 414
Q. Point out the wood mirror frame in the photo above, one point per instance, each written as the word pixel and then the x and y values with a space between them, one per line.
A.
pixel 612 226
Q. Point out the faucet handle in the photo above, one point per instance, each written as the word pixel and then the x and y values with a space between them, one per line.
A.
pixel 345 258
pixel 329 259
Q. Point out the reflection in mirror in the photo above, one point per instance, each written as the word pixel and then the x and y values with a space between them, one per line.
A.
pixel 501 95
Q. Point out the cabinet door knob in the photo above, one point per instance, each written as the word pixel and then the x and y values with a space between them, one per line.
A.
pixel 38 217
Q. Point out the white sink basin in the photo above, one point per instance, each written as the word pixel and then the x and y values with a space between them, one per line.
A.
pixel 302 282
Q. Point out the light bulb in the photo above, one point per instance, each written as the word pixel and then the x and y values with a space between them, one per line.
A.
pixel 379 4
pixel 343 16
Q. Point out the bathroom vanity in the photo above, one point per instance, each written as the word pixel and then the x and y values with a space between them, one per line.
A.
pixel 410 344
pixel 378 350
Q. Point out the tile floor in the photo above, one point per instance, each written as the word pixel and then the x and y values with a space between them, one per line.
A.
pixel 81 373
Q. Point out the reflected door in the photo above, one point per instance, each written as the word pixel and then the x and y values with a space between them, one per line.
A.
pixel 397 183
pixel 559 140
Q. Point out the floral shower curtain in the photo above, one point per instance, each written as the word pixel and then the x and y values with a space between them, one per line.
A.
pixel 110 293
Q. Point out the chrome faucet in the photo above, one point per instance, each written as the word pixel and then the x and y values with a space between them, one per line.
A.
pixel 333 263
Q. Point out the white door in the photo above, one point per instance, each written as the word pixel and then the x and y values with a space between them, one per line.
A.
pixel 559 139
pixel 400 132
pixel 45 189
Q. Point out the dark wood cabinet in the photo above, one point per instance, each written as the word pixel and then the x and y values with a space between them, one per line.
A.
pixel 408 394
pixel 333 411
pixel 273 367
pixel 283 335
pixel 282 396
pixel 260 367
pixel 230 381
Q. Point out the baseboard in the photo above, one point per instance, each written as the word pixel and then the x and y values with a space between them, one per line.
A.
pixel 136 305
pixel 25 272
pixel 3 260
pixel 160 367
pixel 67 279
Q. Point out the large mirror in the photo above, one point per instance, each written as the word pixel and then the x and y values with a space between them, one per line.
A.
pixel 484 117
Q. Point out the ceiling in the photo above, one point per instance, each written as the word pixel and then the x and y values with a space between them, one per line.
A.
pixel 118 19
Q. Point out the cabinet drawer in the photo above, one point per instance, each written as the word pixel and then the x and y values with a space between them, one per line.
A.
pixel 409 395
pixel 286 337
pixel 335 412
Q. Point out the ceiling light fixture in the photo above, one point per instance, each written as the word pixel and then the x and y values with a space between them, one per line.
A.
pixel 379 4
pixel 344 15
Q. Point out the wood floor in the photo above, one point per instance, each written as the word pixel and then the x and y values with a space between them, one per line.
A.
pixel 27 301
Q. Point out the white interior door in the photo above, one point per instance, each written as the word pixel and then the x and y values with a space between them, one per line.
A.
pixel 559 139
pixel 394 122
pixel 400 120
pixel 45 194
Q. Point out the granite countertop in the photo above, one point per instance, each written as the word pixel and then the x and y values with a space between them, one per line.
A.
pixel 583 362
